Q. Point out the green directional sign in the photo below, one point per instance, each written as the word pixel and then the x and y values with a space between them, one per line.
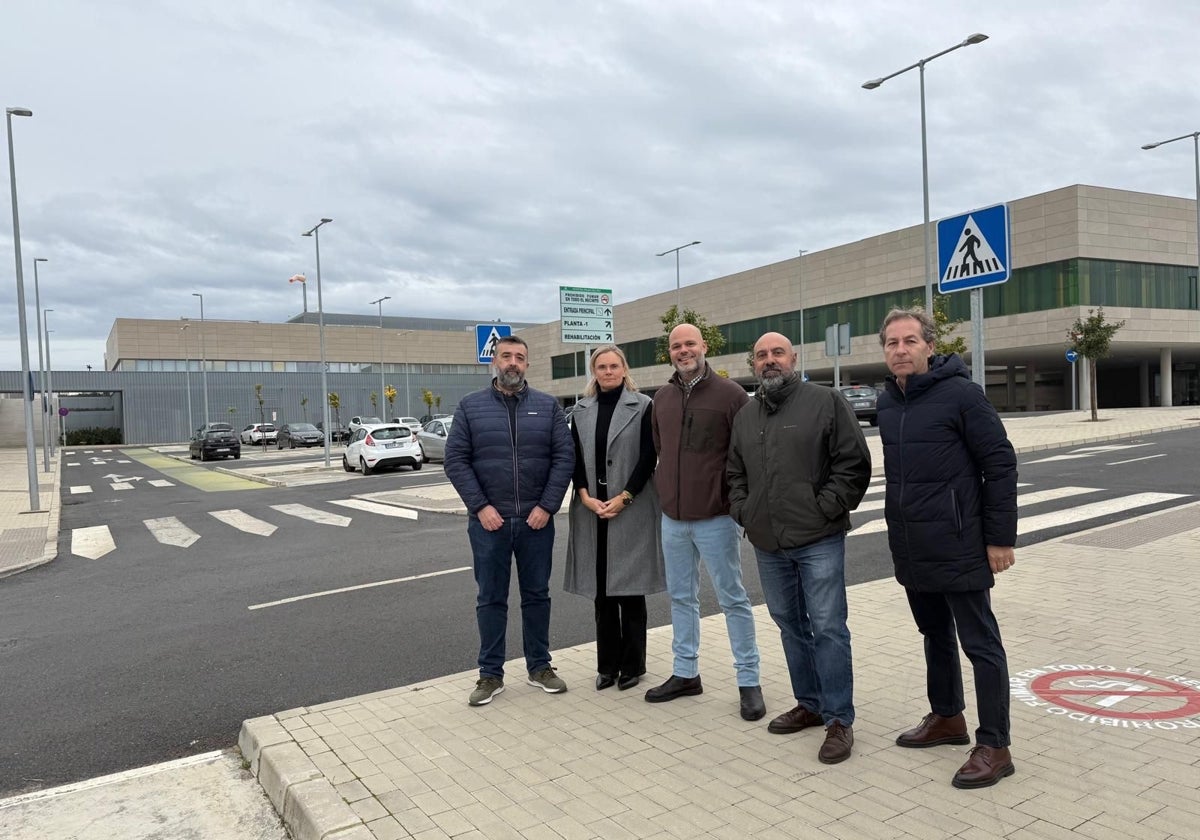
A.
pixel 586 315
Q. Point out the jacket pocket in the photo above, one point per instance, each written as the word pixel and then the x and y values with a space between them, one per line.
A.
pixel 956 512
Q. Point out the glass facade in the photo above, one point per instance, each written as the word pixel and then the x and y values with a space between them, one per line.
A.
pixel 1074 282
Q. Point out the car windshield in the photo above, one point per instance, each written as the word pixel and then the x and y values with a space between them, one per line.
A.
pixel 223 427
pixel 369 421
pixel 391 433
pixel 219 433
pixel 302 427
pixel 267 427
pixel 859 391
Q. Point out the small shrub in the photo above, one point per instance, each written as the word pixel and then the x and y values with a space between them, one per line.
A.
pixel 94 436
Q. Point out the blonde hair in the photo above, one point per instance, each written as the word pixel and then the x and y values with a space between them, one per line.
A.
pixel 592 389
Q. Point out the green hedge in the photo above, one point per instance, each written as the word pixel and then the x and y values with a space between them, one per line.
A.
pixel 94 436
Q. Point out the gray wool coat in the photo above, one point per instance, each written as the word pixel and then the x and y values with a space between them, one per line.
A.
pixel 635 559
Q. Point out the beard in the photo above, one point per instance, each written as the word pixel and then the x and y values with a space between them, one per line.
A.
pixel 772 384
pixel 510 379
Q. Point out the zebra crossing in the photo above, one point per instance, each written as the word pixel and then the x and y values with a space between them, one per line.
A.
pixel 1030 519
pixel 96 541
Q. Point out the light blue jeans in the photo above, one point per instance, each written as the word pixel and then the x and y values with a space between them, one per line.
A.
pixel 716 541
pixel 805 590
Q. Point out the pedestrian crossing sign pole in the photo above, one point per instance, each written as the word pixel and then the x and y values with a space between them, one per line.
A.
pixel 486 338
pixel 974 250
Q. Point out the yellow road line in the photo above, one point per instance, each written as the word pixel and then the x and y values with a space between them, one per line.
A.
pixel 195 476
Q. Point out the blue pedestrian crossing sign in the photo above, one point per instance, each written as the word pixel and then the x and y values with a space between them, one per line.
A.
pixel 486 337
pixel 974 249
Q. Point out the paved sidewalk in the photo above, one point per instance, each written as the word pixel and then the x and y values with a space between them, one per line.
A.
pixel 27 539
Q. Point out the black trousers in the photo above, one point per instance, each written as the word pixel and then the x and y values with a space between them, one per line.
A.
pixel 940 616
pixel 620 621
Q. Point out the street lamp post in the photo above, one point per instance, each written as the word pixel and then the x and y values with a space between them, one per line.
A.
pixel 381 385
pixel 678 294
pixel 187 376
pixel 49 375
pixel 1195 135
pixel 37 307
pixel 26 384
pixel 978 37
pixel 314 232
pixel 800 300
pixel 203 359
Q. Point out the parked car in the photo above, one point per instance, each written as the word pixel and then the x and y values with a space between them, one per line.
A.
pixel 425 418
pixel 432 438
pixel 337 433
pixel 380 447
pixel 292 435
pixel 214 443
pixel 862 399
pixel 359 421
pixel 256 433
pixel 412 423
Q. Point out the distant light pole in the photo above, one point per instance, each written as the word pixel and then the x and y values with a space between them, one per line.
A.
pixel 978 37
pixel 26 384
pixel 800 300
pixel 203 359
pixel 314 232
pixel 381 385
pixel 49 375
pixel 37 307
pixel 187 375
pixel 678 294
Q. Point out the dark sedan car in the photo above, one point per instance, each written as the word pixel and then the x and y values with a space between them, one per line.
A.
pixel 210 443
pixel 292 435
pixel 862 399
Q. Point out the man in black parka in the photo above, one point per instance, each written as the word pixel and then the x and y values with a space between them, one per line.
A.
pixel 951 510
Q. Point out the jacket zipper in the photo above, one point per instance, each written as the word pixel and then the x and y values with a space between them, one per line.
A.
pixel 512 436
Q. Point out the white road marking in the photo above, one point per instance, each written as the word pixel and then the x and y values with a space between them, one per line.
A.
pixel 244 522
pixel 170 531
pixel 375 507
pixel 1088 452
pixel 80 488
pixel 1131 460
pixel 161 482
pixel 72 463
pixel 354 588
pixel 877 504
pixel 92 543
pixel 313 515
pixel 101 781
pixel 1082 513
pixel 68 453
pixel 122 485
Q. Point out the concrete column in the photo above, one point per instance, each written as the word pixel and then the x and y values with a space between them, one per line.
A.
pixel 1010 399
pixel 1164 375
pixel 1085 384
pixel 1030 383
pixel 1144 384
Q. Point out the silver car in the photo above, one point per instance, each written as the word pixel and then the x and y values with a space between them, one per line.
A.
pixel 433 439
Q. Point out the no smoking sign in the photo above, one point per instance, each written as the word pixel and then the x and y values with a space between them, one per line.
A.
pixel 1128 698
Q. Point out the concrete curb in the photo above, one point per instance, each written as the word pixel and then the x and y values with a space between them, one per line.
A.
pixel 309 806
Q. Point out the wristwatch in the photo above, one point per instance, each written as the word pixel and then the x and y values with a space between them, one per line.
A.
pixel 627 497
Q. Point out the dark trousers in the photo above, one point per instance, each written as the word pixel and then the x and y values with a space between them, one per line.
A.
pixel 940 616
pixel 620 621
pixel 494 552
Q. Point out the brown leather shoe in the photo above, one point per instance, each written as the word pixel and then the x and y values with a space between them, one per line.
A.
pixel 838 741
pixel 935 730
pixel 793 721
pixel 985 767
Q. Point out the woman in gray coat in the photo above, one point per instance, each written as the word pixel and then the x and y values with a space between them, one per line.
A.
pixel 614 554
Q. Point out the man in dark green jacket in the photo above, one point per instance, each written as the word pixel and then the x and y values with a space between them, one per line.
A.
pixel 798 464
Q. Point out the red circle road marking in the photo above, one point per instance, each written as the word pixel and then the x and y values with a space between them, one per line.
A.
pixel 1187 699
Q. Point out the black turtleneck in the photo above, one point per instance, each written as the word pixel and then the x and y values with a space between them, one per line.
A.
pixel 606 403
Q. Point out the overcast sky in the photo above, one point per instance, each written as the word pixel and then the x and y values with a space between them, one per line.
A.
pixel 476 155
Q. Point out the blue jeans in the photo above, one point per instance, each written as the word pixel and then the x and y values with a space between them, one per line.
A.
pixel 805 589
pixel 715 540
pixel 493 552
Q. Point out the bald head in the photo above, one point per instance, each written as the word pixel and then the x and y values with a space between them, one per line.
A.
pixel 774 360
pixel 687 348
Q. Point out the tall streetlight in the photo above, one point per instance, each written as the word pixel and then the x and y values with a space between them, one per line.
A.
pixel 37 307
pixel 203 358
pixel 407 368
pixel 978 37
pixel 187 376
pixel 314 232
pixel 800 300
pixel 1195 135
pixel 26 383
pixel 49 374
pixel 678 295
pixel 381 385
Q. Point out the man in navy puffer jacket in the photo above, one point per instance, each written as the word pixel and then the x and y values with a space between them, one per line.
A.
pixel 510 457
pixel 951 510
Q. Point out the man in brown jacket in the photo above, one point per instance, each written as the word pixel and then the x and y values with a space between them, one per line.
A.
pixel 692 419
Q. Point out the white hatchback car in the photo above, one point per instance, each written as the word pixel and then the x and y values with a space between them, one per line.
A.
pixel 381 447
pixel 256 433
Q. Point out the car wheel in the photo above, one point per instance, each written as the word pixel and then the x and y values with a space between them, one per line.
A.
pixel 203 455
pixel 874 420
pixel 362 464
pixel 237 456
pixel 417 466
pixel 424 460
pixel 291 444
pixel 346 465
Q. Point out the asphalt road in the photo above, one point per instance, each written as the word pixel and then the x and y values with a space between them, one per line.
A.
pixel 152 651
